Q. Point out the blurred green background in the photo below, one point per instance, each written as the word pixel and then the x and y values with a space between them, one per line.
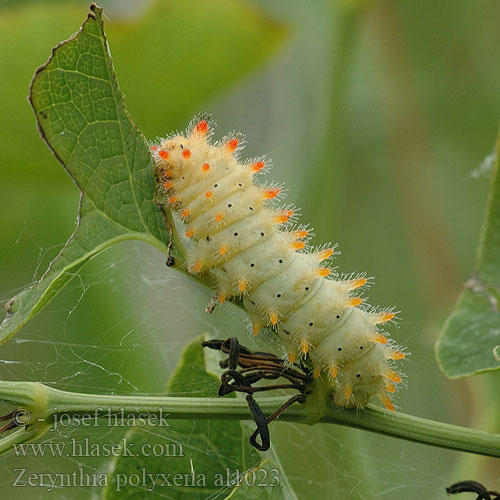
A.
pixel 378 115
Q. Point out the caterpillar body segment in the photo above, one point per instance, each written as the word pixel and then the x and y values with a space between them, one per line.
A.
pixel 252 251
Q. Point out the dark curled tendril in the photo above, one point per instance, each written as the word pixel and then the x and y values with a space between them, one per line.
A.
pixel 254 367
pixel 261 423
pixel 473 487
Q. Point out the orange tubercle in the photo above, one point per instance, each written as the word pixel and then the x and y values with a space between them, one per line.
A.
pixel 384 317
pixel 154 147
pixel 379 338
pixel 202 127
pixel 222 298
pixel 271 193
pixel 348 393
pixel 186 153
pixel 389 387
pixel 189 233
pixel 197 267
pixel 304 346
pixel 257 166
pixel 316 373
pixel 185 213
pixel 357 283
pixel 209 194
pixel 283 217
pixel 232 144
pixel 219 217
pixel 163 154
pixel 298 245
pixel 333 371
pixel 173 200
pixel 397 355
pixel 223 250
pixel 273 318
pixel 392 375
pixel 168 185
pixel 301 233
pixel 167 173
pixel 255 329
pixel 324 254
pixel 291 358
pixel 205 167
pixel 324 271
pixel 386 401
pixel 242 284
pixel 355 301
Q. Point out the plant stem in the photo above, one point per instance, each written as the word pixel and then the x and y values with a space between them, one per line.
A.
pixel 418 430
pixel 46 402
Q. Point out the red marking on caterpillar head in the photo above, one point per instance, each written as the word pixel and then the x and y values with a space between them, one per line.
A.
pixel 298 245
pixel 232 144
pixel 271 193
pixel 205 167
pixel 209 194
pixel 202 127
pixel 355 301
pixel 154 147
pixel 163 154
pixel 173 200
pixel 186 153
pixel 167 185
pixel 189 233
pixel 258 166
pixel 185 213
pixel 324 271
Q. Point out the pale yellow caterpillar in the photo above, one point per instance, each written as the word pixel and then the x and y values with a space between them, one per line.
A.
pixel 246 243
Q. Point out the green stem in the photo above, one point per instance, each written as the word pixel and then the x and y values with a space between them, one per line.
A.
pixel 44 403
pixel 418 430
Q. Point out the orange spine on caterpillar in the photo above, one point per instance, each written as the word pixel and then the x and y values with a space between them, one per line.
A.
pixel 254 251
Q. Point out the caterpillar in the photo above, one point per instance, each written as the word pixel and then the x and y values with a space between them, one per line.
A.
pixel 254 251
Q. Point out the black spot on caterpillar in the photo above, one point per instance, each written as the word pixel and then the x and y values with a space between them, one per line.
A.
pixel 246 242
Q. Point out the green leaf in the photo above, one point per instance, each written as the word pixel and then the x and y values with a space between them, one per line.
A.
pixel 470 341
pixel 81 116
pixel 214 450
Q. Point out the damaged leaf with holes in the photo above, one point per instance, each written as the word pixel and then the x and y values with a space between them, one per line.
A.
pixel 470 341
